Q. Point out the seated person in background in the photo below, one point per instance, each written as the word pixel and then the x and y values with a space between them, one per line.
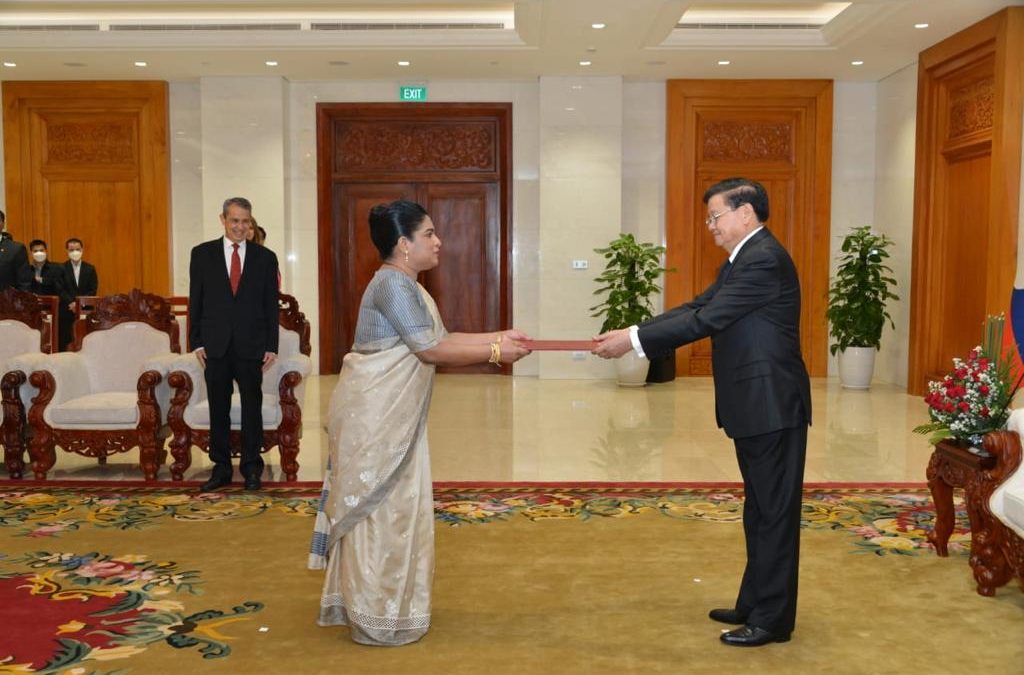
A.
pixel 46 276
pixel 79 279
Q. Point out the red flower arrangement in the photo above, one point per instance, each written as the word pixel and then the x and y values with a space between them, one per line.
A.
pixel 975 397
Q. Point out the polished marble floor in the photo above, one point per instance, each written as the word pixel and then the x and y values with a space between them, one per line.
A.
pixel 495 428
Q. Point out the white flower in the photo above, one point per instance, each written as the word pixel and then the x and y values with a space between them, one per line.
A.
pixel 351 501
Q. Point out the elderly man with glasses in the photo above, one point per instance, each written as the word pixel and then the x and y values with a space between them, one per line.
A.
pixel 762 396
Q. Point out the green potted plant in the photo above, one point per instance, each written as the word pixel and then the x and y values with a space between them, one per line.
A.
pixel 628 283
pixel 856 304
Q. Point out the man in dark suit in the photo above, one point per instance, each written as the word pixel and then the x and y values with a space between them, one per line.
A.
pixel 234 312
pixel 14 269
pixel 762 396
pixel 79 279
pixel 46 276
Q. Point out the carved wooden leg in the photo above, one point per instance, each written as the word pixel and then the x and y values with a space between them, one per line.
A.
pixel 988 562
pixel 12 433
pixel 289 431
pixel 40 448
pixel 149 423
pixel 942 497
pixel 181 440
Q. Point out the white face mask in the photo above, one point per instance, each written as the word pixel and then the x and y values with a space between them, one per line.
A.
pixel 39 256
pixel 75 255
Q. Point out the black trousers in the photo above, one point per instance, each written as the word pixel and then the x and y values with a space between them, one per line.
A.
pixel 221 374
pixel 773 474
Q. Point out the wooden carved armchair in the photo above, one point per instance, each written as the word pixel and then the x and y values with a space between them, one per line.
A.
pixel 1000 552
pixel 105 395
pixel 28 330
pixel 283 390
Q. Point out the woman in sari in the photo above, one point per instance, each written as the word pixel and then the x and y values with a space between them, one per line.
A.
pixel 374 530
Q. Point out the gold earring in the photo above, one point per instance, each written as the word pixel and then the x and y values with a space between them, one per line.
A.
pixel 406 255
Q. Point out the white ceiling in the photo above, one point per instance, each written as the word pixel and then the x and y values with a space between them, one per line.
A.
pixel 545 37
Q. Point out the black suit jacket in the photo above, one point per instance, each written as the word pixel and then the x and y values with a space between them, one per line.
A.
pixel 52 280
pixel 88 282
pixel 248 320
pixel 752 315
pixel 14 268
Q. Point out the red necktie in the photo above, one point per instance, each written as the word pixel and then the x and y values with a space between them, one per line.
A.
pixel 236 269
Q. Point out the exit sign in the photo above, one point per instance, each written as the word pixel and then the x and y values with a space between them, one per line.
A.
pixel 412 93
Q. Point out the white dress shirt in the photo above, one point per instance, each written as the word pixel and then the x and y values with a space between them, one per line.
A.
pixel 229 249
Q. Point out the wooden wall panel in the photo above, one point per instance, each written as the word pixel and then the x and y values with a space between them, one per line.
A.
pixel 966 192
pixel 90 160
pixel 455 160
pixel 778 133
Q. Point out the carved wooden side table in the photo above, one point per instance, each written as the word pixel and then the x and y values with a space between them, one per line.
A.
pixel 954 466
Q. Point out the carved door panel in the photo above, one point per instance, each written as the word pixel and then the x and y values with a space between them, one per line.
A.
pixel 466 217
pixel 454 159
pixel 967 190
pixel 90 160
pixel 775 132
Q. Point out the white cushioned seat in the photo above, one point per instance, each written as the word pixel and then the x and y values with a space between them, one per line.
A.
pixel 110 409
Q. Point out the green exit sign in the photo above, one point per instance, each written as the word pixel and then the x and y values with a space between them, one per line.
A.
pixel 412 93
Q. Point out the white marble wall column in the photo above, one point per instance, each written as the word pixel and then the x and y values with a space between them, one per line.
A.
pixel 580 209
pixel 243 151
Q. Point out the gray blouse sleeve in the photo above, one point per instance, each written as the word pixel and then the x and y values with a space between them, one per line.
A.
pixel 398 299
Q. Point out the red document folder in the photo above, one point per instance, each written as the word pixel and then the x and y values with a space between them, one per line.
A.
pixel 559 345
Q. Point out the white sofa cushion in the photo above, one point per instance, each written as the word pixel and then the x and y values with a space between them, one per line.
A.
pixel 1007 502
pixel 198 416
pixel 16 338
pixel 115 357
pixel 1013 503
pixel 112 409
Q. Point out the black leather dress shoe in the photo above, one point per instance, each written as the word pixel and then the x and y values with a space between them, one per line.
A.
pixel 253 483
pixel 751 636
pixel 730 616
pixel 215 483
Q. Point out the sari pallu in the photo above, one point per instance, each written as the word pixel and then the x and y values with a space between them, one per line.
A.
pixel 374 532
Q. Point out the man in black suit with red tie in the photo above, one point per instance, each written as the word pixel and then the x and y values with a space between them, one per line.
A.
pixel 762 396
pixel 233 308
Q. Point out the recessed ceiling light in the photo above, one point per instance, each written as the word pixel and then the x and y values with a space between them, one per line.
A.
pixel 856 63
pixel 270 63
pixel 724 63
pixel 141 64
pixel 576 87
pixel 591 50
pixel 584 63
pixel 403 63
pixel 920 25
pixel 569 109
pixel 598 26
pixel 10 64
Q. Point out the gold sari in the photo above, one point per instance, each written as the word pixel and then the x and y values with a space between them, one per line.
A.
pixel 375 527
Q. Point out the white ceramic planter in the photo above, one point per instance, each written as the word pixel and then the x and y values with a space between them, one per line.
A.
pixel 632 370
pixel 856 365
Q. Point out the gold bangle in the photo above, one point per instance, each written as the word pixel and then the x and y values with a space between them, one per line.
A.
pixel 495 353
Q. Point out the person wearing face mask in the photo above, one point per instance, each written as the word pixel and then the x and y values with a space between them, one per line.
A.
pixel 14 269
pixel 78 279
pixel 46 276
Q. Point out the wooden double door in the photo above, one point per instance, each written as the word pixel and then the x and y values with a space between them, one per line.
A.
pixel 453 159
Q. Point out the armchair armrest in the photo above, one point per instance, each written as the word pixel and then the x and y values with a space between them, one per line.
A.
pixel 165 363
pixel 189 365
pixel 299 363
pixel 68 369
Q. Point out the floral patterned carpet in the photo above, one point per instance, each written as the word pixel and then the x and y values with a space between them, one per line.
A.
pixel 66 608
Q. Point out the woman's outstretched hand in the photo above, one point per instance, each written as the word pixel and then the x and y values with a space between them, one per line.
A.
pixel 512 348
